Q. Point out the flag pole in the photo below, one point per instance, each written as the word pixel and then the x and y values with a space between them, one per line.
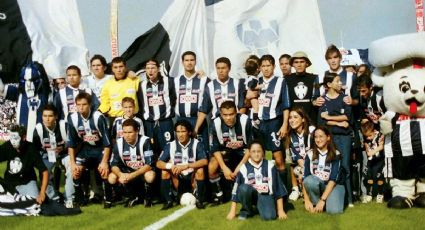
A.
pixel 114 28
pixel 419 7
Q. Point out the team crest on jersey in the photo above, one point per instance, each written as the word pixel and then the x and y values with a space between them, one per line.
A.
pixel 15 165
pixel 149 90
pixel 133 157
pixel 301 90
pixel 70 97
pixel 275 140
pixel 126 153
pixel 183 86
pixel 217 91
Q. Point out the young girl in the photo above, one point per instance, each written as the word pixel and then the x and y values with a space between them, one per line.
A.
pixel 299 142
pixel 258 184
pixel 373 142
pixel 322 171
pixel 335 113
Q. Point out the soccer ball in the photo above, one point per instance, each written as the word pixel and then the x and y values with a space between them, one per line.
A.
pixel 187 199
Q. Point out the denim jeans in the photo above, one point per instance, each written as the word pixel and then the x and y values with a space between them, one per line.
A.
pixel 249 197
pixel 343 144
pixel 69 184
pixel 29 189
pixel 315 188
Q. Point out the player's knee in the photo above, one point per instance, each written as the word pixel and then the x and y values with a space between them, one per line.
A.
pixel 380 182
pixel 112 178
pixel 200 175
pixel 165 175
pixel 370 181
pixel 149 176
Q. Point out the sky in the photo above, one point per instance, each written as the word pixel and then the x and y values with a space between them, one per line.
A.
pixel 347 23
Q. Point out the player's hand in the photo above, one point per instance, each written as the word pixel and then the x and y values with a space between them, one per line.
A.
pixel 76 170
pixel 103 169
pixel 281 215
pixel 324 115
pixel 300 162
pixel 41 197
pixel 251 94
pixel 348 100
pixel 201 73
pixel 343 124
pixel 176 170
pixel 228 174
pixel 231 215
pixel 282 133
pixel 319 101
pixel 308 206
pixel 319 206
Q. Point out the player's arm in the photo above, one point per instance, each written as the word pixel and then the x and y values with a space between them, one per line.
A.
pixel 242 162
pixel 283 131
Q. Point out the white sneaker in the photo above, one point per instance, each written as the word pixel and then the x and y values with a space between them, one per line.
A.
pixel 379 199
pixel 69 204
pixel 294 194
pixel 366 199
pixel 351 205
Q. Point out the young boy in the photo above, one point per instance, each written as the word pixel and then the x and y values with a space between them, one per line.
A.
pixel 373 141
pixel 128 106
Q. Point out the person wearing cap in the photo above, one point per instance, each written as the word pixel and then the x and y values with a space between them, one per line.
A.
pixel 302 85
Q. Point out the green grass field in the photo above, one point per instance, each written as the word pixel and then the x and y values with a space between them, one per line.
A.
pixel 362 216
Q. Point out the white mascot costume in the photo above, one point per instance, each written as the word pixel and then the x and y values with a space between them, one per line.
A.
pixel 400 70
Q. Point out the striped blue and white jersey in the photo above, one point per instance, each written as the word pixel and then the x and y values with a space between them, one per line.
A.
pixel 45 139
pixel 117 131
pixel 157 100
pixel 322 169
pixel 262 177
pixel 64 101
pixel 177 154
pixel 232 139
pixel 217 92
pixel 273 98
pixel 132 157
pixel 189 92
pixel 91 132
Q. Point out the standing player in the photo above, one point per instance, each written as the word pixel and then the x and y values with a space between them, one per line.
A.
pixel 230 134
pixel 183 161
pixel 98 78
pixel 273 112
pixel 157 96
pixel 219 90
pixel 132 165
pixel 49 138
pixel 189 91
pixel 88 145
pixel 65 98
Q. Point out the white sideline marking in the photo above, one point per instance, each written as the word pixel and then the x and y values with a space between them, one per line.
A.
pixel 174 216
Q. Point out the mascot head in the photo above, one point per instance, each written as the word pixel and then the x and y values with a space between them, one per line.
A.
pixel 32 79
pixel 400 70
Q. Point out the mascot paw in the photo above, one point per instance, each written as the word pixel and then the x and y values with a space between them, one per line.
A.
pixel 399 202
pixel 420 200
pixel 386 126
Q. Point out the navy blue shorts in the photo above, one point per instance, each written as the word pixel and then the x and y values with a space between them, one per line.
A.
pixel 89 157
pixel 268 134
pixel 161 132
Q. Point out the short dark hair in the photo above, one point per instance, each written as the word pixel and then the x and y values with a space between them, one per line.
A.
pixel 50 107
pixel 100 58
pixel 83 95
pixel 364 81
pixel 117 60
pixel 224 60
pixel 367 126
pixel 21 130
pixel 251 67
pixel 267 57
pixel 332 49
pixel 328 78
pixel 131 122
pixel 128 99
pixel 188 53
pixel 154 61
pixel 185 124
pixel 74 67
pixel 287 56
pixel 228 105
pixel 256 142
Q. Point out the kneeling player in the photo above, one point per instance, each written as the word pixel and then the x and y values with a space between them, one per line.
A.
pixel 132 164
pixel 182 161
pixel 231 133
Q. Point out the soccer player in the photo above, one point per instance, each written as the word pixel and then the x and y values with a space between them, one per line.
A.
pixel 224 88
pixel 89 145
pixel 303 86
pixel 157 96
pixel 50 139
pixel 183 161
pixel 114 90
pixel 132 165
pixel 230 135
pixel 284 65
pixel 273 112
pixel 371 100
pixel 258 184
pixel 97 78
pixel 189 91
pixel 65 98
pixel 22 157
pixel 128 107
